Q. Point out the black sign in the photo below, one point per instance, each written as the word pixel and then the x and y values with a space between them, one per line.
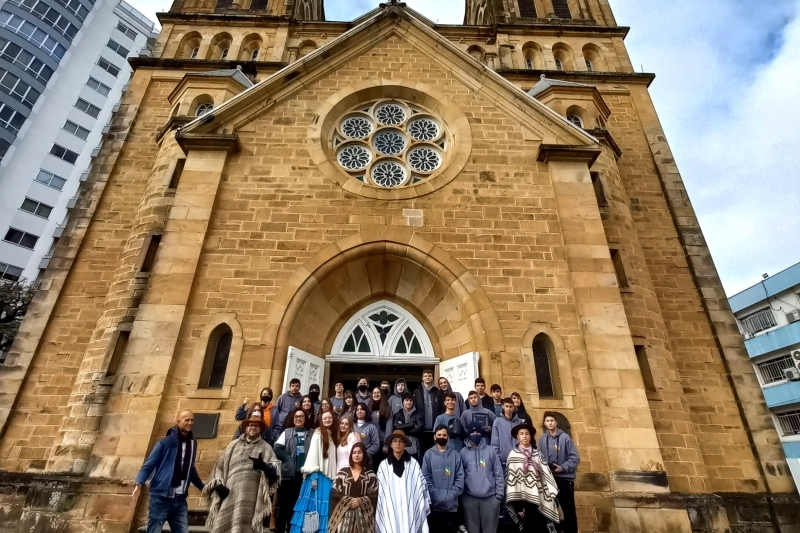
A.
pixel 205 425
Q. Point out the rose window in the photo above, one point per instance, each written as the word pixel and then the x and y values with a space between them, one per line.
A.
pixel 390 143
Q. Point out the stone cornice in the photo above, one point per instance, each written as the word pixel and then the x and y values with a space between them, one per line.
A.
pixel 605 137
pixel 217 142
pixel 174 122
pixel 555 152
pixel 582 76
pixel 250 68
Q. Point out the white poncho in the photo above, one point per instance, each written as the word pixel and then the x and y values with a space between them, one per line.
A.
pixel 403 502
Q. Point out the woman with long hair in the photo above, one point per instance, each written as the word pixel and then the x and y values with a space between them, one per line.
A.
pixel 307 405
pixel 366 430
pixel 325 406
pixel 318 471
pixel 382 420
pixel 347 438
pixel 354 495
pixel 519 407
pixel 349 409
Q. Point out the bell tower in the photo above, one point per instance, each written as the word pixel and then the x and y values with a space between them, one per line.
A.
pixel 309 10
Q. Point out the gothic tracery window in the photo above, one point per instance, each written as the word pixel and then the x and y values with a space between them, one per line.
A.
pixel 383 329
pixel 390 143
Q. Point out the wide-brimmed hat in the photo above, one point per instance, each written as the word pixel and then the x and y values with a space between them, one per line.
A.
pixel 524 425
pixel 397 434
pixel 257 417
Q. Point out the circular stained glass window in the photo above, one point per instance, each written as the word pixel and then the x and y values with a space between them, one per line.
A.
pixel 390 114
pixel 357 127
pixel 354 157
pixel 388 173
pixel 424 129
pixel 424 159
pixel 389 142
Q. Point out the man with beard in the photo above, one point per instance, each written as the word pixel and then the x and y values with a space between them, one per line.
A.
pixel 362 394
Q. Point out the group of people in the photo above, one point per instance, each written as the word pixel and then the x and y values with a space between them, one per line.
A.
pixel 373 461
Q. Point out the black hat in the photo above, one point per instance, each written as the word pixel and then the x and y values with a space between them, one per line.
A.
pixel 524 425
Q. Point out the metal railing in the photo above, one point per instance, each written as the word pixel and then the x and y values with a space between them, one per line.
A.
pixel 772 371
pixel 759 321
pixel 132 11
pixel 790 423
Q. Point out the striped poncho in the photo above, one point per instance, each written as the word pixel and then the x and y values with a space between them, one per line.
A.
pixel 403 502
pixel 534 485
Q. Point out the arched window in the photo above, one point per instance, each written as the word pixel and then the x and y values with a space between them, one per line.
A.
pixel 202 109
pixel 542 352
pixel 193 53
pixel 589 65
pixel 559 65
pixel 575 120
pixel 527 9
pixel 529 63
pixel 383 329
pixel 254 55
pixel 224 55
pixel 215 364
pixel 561 9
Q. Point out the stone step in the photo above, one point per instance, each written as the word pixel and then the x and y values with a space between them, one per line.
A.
pixel 166 529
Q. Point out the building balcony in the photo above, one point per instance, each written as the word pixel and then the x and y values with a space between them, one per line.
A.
pixel 782 394
pixel 773 340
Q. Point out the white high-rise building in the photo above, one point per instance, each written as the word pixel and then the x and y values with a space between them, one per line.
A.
pixel 63 68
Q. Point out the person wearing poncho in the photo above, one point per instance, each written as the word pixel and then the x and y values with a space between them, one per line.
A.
pixel 244 479
pixel 318 471
pixel 354 495
pixel 403 499
pixel 531 489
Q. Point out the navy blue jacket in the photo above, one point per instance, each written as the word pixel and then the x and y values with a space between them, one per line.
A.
pixel 161 463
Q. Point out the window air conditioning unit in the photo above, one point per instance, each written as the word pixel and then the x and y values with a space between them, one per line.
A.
pixel 793 316
pixel 791 374
pixel 796 358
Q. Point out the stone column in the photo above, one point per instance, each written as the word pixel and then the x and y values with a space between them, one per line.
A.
pixel 127 428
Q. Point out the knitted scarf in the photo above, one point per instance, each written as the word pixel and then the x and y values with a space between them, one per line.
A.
pixel 180 471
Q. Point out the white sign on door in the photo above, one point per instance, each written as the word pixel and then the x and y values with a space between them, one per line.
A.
pixel 461 372
pixel 308 368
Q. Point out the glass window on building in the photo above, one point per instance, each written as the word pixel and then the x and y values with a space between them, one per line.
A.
pixel 21 238
pixel 50 179
pixel 98 87
pixel 9 272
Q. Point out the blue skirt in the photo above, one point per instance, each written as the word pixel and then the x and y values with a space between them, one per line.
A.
pixel 313 500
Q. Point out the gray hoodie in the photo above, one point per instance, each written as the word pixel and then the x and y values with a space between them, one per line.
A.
pixel 396 399
pixel 444 476
pixel 502 441
pixel 485 419
pixel 459 410
pixel 482 471
pixel 560 450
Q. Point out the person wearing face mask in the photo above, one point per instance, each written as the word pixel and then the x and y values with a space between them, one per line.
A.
pixel 313 393
pixel 531 489
pixel 444 476
pixel 362 394
pixel 268 412
pixel 396 399
pixel 484 485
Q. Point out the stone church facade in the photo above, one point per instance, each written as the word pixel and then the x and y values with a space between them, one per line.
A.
pixel 380 196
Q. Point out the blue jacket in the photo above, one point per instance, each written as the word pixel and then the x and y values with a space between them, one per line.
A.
pixel 161 463
pixel 482 471
pixel 560 450
pixel 502 441
pixel 444 476
pixel 485 415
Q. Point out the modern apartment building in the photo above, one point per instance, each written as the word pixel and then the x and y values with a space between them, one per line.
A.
pixel 768 314
pixel 63 69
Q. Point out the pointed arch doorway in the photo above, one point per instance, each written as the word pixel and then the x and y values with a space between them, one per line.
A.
pixel 383 342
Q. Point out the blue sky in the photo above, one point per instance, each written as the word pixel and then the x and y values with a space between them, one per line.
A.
pixel 727 92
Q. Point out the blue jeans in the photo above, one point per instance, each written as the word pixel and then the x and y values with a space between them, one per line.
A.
pixel 171 510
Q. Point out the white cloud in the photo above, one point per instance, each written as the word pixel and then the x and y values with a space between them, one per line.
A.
pixel 727 93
